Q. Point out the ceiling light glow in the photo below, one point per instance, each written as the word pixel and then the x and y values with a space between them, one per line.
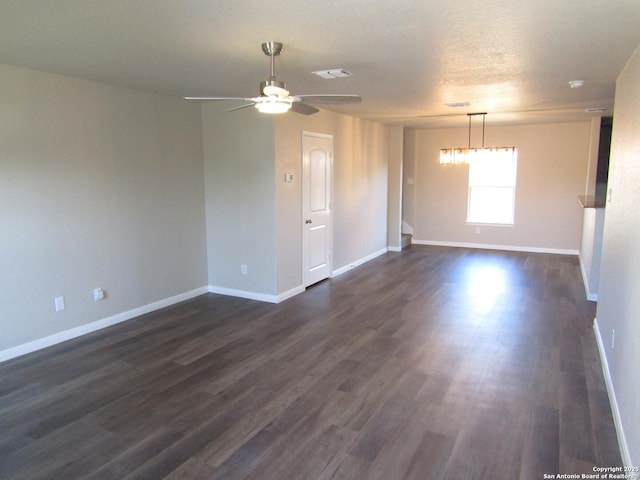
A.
pixel 273 104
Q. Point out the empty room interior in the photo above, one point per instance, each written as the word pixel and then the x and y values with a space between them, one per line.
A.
pixel 319 240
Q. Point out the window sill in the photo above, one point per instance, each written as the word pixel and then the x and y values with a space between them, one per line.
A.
pixel 481 224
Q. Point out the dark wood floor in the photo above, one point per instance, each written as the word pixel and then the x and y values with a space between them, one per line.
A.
pixel 433 363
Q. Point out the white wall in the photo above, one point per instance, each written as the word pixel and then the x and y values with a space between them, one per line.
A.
pixel 618 298
pixel 591 250
pixel 100 186
pixel 552 170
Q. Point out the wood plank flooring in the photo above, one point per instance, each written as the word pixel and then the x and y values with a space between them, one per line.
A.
pixel 432 363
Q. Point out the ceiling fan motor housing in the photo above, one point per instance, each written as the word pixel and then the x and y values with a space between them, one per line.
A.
pixel 273 49
pixel 272 82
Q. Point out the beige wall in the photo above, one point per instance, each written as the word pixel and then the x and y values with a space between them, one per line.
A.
pixel 394 195
pixel 100 186
pixel 618 298
pixel 255 218
pixel 552 170
pixel 240 204
pixel 361 150
pixel 152 198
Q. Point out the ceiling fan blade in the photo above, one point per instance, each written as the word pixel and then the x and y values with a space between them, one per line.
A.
pixel 218 98
pixel 274 96
pixel 304 109
pixel 329 98
pixel 239 108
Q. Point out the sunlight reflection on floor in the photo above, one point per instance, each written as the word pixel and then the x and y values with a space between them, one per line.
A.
pixel 485 286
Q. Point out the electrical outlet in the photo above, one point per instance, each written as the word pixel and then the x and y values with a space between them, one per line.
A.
pixel 243 269
pixel 59 303
pixel 613 338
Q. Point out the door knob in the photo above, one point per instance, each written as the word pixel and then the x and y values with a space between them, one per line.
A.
pixel 308 220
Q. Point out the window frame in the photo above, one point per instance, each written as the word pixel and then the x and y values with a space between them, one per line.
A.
pixel 512 185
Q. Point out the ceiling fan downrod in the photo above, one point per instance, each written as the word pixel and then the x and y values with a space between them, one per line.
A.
pixel 272 50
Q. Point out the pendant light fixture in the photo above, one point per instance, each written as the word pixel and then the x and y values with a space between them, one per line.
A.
pixel 461 155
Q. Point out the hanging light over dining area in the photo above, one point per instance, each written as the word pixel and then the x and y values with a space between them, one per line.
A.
pixel 464 155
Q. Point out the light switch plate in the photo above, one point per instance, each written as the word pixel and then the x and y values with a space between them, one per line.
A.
pixel 59 303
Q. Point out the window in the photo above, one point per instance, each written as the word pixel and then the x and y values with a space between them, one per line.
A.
pixel 492 186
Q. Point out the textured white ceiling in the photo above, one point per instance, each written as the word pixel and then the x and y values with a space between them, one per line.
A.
pixel 510 58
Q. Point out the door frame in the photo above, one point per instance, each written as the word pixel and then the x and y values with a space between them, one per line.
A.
pixel 305 205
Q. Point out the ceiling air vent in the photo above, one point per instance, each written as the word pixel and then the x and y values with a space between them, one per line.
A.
pixel 457 104
pixel 334 73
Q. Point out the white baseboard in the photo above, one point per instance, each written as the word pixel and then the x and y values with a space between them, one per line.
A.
pixel 394 249
pixel 509 248
pixel 232 292
pixel 65 335
pixel 290 293
pixel 593 297
pixel 622 440
pixel 357 263
pixel 261 297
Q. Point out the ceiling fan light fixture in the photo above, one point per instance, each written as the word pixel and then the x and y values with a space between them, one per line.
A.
pixel 273 104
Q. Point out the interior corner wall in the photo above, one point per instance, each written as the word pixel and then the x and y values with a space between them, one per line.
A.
pixel 394 194
pixel 410 146
pixel 594 147
pixel 618 299
pixel 361 149
pixel 100 186
pixel 552 169
pixel 240 200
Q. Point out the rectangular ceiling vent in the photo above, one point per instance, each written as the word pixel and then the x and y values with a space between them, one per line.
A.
pixel 334 73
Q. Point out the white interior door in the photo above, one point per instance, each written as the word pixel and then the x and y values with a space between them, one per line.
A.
pixel 317 238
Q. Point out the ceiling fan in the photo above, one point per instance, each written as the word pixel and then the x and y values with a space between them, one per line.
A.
pixel 274 96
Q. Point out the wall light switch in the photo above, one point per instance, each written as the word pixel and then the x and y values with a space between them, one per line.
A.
pixel 410 180
pixel 288 177
pixel 59 303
